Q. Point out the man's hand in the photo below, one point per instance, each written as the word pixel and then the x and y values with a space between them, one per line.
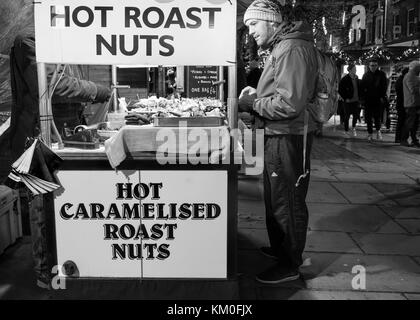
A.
pixel 247 90
pixel 246 99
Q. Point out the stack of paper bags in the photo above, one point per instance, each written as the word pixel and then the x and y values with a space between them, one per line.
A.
pixel 35 169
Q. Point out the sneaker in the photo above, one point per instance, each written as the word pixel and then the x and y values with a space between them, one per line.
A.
pixel 268 252
pixel 369 137
pixel 379 135
pixel 404 143
pixel 277 274
pixel 346 134
pixel 415 144
pixel 354 132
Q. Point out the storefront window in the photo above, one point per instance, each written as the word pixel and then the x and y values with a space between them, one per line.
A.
pixel 397 27
pixel 133 82
pixel 378 29
pixel 410 22
pixel 133 77
pixel 369 32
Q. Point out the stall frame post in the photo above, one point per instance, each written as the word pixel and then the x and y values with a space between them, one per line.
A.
pixel 221 80
pixel 45 111
pixel 114 87
pixel 232 97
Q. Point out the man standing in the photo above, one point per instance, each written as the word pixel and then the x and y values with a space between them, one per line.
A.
pixel 399 90
pixel 281 103
pixel 374 85
pixel 411 87
pixel 349 89
pixel 70 91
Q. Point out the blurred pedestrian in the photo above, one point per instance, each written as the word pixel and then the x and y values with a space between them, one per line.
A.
pixel 253 74
pixel 171 84
pixel 411 87
pixel 374 86
pixel 340 110
pixel 386 114
pixel 349 89
pixel 400 105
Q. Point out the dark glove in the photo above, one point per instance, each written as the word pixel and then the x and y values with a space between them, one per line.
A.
pixel 246 102
pixel 103 93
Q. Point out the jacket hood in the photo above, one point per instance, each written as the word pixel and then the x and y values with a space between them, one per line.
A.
pixel 292 30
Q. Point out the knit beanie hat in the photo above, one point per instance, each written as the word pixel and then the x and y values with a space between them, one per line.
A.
pixel 268 10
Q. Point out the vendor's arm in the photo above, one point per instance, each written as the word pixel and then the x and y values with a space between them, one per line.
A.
pixel 292 90
pixel 73 89
pixel 69 88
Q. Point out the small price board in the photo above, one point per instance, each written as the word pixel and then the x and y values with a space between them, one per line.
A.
pixel 200 81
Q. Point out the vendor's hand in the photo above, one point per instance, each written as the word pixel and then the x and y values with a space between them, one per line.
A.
pixel 103 93
pixel 247 91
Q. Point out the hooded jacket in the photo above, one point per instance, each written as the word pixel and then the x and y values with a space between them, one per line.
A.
pixel 399 90
pixel 374 86
pixel 411 87
pixel 288 81
pixel 346 88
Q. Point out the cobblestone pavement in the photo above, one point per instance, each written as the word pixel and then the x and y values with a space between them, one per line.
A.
pixel 364 210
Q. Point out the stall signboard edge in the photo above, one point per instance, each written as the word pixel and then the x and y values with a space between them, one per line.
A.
pixel 131 32
pixel 132 224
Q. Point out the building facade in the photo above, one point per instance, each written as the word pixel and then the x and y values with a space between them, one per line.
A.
pixel 390 23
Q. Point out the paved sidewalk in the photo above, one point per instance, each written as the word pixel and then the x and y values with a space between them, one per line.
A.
pixel 364 210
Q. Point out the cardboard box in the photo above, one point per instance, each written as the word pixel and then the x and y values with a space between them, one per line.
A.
pixel 10 217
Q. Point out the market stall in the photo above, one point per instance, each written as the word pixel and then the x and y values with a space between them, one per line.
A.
pixel 155 199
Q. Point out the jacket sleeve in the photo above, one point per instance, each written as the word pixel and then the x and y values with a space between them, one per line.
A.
pixel 411 84
pixel 71 89
pixel 291 86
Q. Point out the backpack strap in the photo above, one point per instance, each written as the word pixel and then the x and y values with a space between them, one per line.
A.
pixel 305 138
pixel 306 121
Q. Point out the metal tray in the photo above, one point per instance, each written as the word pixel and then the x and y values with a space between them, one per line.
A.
pixel 188 122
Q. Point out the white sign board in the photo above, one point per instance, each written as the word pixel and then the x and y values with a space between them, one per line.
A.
pixel 358 22
pixel 134 32
pixel 143 224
